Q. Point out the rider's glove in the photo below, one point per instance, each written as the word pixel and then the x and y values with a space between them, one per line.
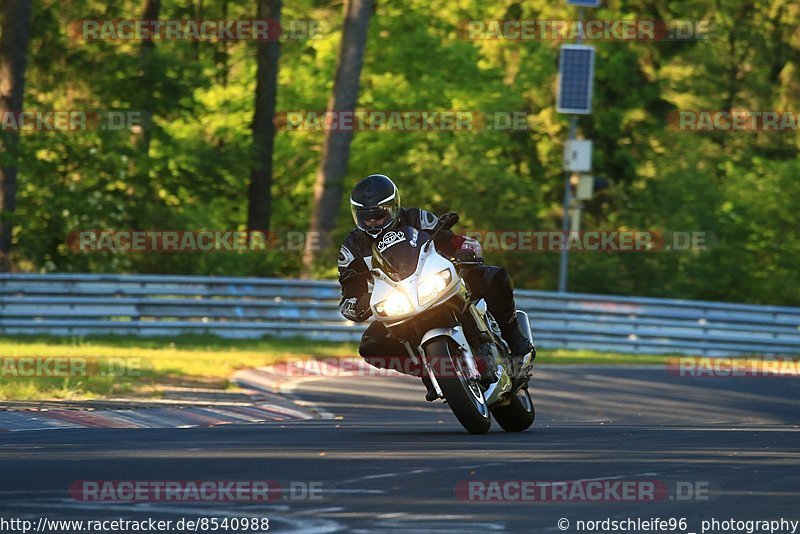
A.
pixel 469 248
pixel 363 311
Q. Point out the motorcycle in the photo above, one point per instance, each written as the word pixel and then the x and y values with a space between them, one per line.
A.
pixel 450 335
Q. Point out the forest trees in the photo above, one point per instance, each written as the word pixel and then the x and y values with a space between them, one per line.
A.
pixel 212 104
pixel 329 185
pixel 15 16
pixel 267 56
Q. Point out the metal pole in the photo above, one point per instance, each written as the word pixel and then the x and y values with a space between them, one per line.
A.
pixel 563 264
pixel 562 269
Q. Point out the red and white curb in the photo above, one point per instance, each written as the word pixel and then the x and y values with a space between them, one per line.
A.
pixel 284 377
pixel 264 408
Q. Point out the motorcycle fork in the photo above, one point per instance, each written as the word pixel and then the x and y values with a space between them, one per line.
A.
pixel 424 364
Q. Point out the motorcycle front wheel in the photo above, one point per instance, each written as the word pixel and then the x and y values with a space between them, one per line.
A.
pixel 464 395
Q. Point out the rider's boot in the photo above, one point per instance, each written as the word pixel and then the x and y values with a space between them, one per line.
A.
pixel 518 343
pixel 500 300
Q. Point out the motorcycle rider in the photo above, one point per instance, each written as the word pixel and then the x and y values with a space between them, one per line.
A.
pixel 375 205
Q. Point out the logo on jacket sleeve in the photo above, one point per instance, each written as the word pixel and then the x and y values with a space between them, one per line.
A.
pixel 345 257
pixel 427 220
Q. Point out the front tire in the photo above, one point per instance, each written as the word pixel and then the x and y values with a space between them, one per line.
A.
pixel 518 415
pixel 464 396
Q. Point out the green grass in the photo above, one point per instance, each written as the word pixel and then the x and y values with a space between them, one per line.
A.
pixel 587 357
pixel 193 361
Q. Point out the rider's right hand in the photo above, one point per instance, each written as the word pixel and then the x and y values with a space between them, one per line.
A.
pixel 363 311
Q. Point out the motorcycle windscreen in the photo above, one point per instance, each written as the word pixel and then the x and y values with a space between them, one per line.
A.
pixel 396 252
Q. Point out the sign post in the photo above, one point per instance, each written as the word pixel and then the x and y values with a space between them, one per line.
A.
pixel 575 80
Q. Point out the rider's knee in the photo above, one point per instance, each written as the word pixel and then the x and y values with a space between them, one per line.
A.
pixel 381 356
pixel 500 279
pixel 371 354
pixel 368 349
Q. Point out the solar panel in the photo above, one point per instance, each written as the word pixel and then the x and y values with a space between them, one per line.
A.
pixel 575 79
pixel 584 3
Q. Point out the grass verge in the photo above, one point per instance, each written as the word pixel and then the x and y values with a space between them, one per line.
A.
pixel 142 367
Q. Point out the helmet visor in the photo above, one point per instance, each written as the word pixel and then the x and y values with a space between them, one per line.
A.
pixel 373 219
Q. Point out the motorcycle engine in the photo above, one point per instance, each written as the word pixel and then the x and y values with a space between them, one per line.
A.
pixel 488 354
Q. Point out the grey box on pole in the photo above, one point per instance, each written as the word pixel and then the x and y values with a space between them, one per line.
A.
pixel 578 155
pixel 585 188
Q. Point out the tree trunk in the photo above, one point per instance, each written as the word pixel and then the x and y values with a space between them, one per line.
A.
pixel 152 11
pixel 336 148
pixel 15 18
pixel 267 56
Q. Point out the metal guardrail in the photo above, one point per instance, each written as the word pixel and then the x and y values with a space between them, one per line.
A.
pixel 155 305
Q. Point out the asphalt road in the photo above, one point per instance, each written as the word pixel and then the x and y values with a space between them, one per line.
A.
pixel 390 462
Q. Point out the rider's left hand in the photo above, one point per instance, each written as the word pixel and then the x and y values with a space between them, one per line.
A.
pixel 470 249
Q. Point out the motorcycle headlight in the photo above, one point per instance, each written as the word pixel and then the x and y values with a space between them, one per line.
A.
pixel 396 304
pixel 433 286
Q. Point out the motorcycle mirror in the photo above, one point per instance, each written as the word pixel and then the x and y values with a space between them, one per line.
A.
pixel 448 220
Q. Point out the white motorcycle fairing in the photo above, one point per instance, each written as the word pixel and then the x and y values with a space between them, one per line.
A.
pixel 429 264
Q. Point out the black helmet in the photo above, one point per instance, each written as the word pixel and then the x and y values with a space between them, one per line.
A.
pixel 375 198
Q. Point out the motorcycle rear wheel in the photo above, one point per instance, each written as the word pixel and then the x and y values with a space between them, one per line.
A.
pixel 518 415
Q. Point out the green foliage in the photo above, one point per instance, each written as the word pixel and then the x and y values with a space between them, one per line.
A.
pixel 740 187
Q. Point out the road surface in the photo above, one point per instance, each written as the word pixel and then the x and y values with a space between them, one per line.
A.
pixel 390 462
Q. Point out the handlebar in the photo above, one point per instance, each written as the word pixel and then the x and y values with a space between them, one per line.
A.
pixel 460 263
